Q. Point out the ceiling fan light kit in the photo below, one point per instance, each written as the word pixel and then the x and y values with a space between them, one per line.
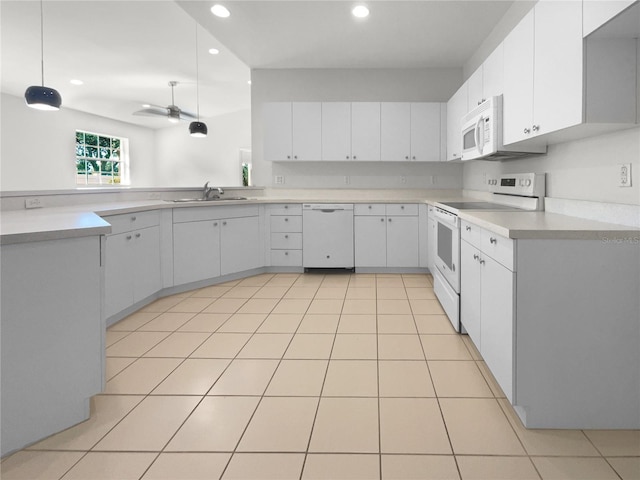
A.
pixel 39 96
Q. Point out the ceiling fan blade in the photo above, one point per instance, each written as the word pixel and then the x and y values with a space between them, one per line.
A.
pixel 152 112
pixel 187 115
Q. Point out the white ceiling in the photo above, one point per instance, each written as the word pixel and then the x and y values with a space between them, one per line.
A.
pixel 126 52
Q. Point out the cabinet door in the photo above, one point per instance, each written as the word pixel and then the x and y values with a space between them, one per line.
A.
pixel 402 241
pixel 277 131
pixel 307 121
pixel 395 131
pixel 517 103
pixel 597 13
pixel 336 131
pixel 196 251
pixel 474 89
pixel 456 109
pixel 370 238
pixel 470 291
pixel 493 73
pixel 147 274
pixel 118 274
pixel 426 135
pixel 365 131
pixel 240 248
pixel 496 329
pixel 558 66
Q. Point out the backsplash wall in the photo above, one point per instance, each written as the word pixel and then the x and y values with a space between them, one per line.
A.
pixel 584 169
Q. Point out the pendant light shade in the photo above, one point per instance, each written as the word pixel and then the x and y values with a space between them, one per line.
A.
pixel 41 97
pixel 197 128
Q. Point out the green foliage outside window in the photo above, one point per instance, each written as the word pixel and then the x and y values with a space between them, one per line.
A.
pixel 98 159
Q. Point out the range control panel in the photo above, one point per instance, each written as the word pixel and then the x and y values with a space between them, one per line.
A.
pixel 521 184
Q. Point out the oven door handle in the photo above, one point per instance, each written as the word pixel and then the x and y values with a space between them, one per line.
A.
pixel 446 217
pixel 476 134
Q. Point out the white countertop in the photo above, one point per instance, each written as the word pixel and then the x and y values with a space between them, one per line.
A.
pixel 19 226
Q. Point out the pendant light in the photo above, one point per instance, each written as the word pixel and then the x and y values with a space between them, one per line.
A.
pixel 197 128
pixel 41 97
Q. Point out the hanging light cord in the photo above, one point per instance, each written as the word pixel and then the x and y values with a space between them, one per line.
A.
pixel 197 77
pixel 42 42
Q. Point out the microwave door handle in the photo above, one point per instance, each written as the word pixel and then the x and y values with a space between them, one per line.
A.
pixel 476 134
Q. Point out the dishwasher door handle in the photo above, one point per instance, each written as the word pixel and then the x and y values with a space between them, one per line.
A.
pixel 330 210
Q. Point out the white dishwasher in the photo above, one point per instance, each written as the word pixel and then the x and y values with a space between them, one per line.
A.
pixel 327 235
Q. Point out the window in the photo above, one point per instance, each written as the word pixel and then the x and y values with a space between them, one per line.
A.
pixel 101 159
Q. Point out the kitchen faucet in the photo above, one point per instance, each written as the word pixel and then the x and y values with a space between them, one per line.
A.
pixel 207 191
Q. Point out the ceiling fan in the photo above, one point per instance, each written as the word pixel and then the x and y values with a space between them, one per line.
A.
pixel 172 112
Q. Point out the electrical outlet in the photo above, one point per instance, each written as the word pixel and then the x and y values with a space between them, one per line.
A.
pixel 279 179
pixel 347 180
pixel 624 175
pixel 33 202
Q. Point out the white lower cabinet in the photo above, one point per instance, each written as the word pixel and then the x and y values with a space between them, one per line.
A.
pixel 132 267
pixel 240 245
pixel 285 235
pixel 386 235
pixel 487 301
pixel 196 251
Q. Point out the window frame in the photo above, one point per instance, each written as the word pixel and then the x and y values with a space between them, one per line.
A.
pixel 100 156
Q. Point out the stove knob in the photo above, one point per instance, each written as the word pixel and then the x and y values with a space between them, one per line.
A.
pixel 527 182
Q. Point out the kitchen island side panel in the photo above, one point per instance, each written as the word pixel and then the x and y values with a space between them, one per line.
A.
pixel 578 333
pixel 52 337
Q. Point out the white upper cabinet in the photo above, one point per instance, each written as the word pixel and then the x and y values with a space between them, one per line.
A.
pixel 277 121
pixel 456 109
pixel 558 66
pixel 292 131
pixel 543 71
pixel 306 128
pixel 598 12
pixel 395 131
pixel 475 94
pixel 365 131
pixel 493 73
pixel 427 132
pixel 336 131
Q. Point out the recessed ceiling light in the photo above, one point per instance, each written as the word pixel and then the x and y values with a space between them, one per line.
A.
pixel 220 11
pixel 146 105
pixel 360 11
pixel 75 81
pixel 214 51
pixel 249 82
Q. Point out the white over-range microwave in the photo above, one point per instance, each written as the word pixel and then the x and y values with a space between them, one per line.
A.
pixel 482 134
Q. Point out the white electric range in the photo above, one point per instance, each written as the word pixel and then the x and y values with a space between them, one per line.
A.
pixel 511 192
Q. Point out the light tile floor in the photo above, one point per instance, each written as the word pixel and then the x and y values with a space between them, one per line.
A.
pixel 309 376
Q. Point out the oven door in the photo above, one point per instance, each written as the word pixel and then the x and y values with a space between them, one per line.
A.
pixel 448 247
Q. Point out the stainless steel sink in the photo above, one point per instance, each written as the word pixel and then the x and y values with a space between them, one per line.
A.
pixel 200 199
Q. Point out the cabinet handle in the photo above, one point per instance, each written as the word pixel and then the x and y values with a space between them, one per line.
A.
pixel 527 131
pixel 286 236
pixel 137 235
pixel 347 157
pixel 493 240
pixel 467 228
pixel 413 158
pixel 481 262
pixel 369 207
pixel 389 220
pixel 406 157
pixel 224 223
pixel 475 256
pixel 295 157
pixel 286 253
pixel 289 157
pixel 354 157
pixel 536 128
pixel 133 219
pixel 401 207
pixel 215 224
pixel 128 237
pixel 286 207
pixel 286 219
pixel 382 219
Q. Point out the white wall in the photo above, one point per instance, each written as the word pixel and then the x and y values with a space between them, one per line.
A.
pixel 580 170
pixel 38 148
pixel 318 85
pixel 183 161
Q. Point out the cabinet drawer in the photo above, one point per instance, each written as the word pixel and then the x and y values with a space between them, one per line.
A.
pixel 286 223
pixel 369 209
pixel 133 221
pixel 286 209
pixel 471 233
pixel 286 258
pixel 402 209
pixel 498 247
pixel 214 212
pixel 284 241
